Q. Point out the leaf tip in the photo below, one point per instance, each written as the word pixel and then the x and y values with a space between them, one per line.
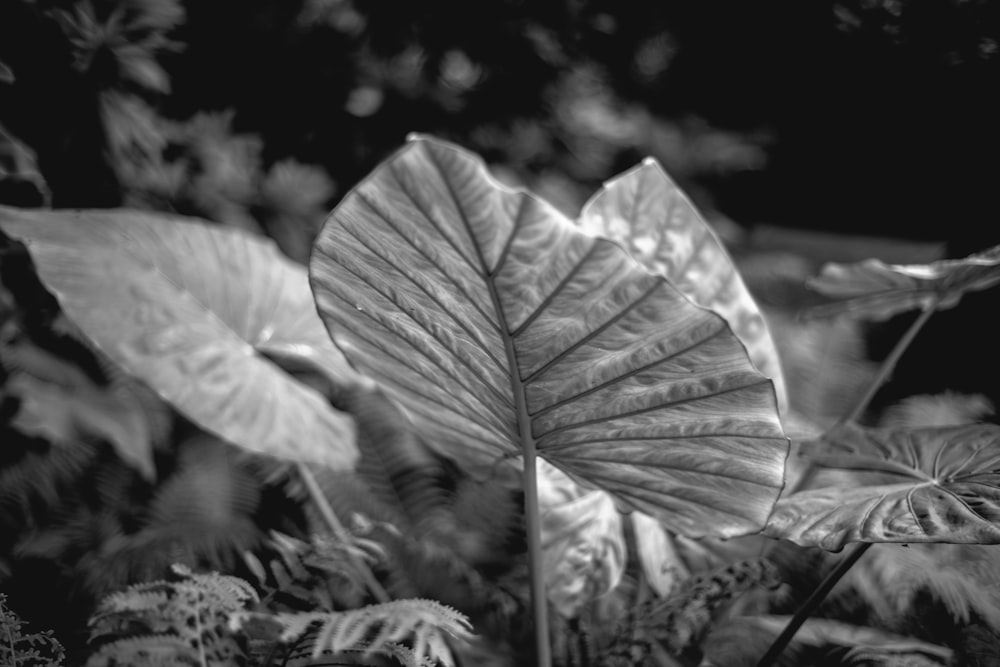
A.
pixel 414 137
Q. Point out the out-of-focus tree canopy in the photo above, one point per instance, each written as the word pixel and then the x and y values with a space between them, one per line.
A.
pixel 859 116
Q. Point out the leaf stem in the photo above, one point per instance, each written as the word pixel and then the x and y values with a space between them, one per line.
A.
pixel 810 605
pixel 889 365
pixel 341 533
pixel 532 513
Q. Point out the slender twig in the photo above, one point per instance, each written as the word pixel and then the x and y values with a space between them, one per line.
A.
pixel 889 365
pixel 341 533
pixel 810 605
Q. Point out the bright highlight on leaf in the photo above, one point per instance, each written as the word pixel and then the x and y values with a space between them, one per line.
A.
pixel 876 291
pixel 498 324
pixel 925 485
pixel 190 309
pixel 647 213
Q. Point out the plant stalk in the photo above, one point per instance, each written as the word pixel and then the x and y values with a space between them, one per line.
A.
pixel 889 365
pixel 810 605
pixel 341 533
pixel 533 521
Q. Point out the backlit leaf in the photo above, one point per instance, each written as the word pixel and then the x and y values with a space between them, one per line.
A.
pixel 874 485
pixel 876 291
pixel 648 214
pixel 190 309
pixel 498 324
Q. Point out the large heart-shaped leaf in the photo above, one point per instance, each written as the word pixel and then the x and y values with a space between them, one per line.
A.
pixel 498 325
pixel 190 309
pixel 648 214
pixel 876 485
pixel 875 290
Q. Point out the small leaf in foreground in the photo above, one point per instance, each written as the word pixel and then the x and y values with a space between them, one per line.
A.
pixel 875 290
pixel 869 485
pixel 191 309
pixel 499 325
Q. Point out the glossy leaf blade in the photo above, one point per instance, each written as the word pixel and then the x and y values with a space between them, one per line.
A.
pixel 494 320
pixel 924 485
pixel 874 290
pixel 190 309
pixel 645 211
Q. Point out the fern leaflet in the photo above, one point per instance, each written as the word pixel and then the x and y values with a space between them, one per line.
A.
pixel 375 629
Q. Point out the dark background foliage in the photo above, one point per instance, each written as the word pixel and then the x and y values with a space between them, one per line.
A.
pixel 861 117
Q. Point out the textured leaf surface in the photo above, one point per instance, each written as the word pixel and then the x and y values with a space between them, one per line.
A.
pixel 925 485
pixel 583 542
pixel 874 290
pixel 189 308
pixel 496 323
pixel 647 213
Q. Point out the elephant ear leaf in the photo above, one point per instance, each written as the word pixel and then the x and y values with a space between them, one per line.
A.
pixel 193 310
pixel 878 485
pixel 502 328
pixel 648 214
pixel 875 290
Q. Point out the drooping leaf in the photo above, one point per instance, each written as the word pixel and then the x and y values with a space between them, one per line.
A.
pixel 497 324
pixel 583 544
pixel 661 563
pixel 190 309
pixel 871 485
pixel 645 211
pixel 875 290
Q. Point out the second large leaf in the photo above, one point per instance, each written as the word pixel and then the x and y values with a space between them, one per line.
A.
pixel 195 310
pixel 499 325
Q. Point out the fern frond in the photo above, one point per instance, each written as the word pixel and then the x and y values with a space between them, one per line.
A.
pixel 963 578
pixel 372 628
pixel 39 477
pixel 945 409
pixel 21 649
pixel 153 650
pixel 400 469
pixel 149 621
pixel 681 619
pixel 203 513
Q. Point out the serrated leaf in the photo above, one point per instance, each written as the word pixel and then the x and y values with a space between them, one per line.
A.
pixel 875 290
pixel 874 485
pixel 190 309
pixel 645 211
pixel 498 324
